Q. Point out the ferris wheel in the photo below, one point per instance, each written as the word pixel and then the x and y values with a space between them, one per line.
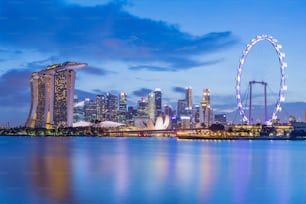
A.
pixel 283 87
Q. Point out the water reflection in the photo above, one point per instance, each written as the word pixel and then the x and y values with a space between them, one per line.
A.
pixel 150 170
pixel 51 171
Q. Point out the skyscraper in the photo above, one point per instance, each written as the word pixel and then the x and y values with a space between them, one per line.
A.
pixel 151 106
pixel 90 110
pixel 131 113
pixel 78 110
pixel 101 107
pixel 111 107
pixel 168 110
pixel 205 105
pixel 196 115
pixel 188 97
pixel 122 107
pixel 158 102
pixel 181 108
pixel 52 93
pixel 142 107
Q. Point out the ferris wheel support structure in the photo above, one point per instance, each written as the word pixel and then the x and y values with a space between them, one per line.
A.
pixel 250 102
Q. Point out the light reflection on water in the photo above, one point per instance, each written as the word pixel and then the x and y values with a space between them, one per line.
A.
pixel 150 170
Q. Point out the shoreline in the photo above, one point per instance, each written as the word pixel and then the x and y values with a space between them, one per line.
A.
pixel 230 133
pixel 179 137
pixel 241 138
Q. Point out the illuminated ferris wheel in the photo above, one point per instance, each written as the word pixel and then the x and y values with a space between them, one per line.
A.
pixel 283 87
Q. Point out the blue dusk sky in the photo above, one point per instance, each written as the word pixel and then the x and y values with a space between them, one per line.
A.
pixel 135 46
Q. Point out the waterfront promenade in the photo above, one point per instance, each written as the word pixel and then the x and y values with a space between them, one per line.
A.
pixel 229 133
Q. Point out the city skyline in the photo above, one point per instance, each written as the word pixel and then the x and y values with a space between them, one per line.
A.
pixel 135 47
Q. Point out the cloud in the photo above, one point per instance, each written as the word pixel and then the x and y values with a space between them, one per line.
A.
pixel 98 91
pixel 105 32
pixel 42 64
pixel 151 68
pixel 97 71
pixel 92 95
pixel 14 89
pixel 89 3
pixel 84 94
pixel 223 100
pixel 14 80
pixel 143 92
pixel 177 64
pixel 178 89
pixel 8 51
pixel 114 92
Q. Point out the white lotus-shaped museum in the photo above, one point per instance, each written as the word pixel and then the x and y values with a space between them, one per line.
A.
pixel 161 123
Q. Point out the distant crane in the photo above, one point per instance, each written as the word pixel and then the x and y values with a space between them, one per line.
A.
pixel 265 95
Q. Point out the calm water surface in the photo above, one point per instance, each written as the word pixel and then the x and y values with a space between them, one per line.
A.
pixel 150 170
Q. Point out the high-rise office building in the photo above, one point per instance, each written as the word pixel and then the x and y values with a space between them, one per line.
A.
pixel 52 94
pixel 188 97
pixel 158 102
pixel 151 106
pixel 142 109
pixel 168 110
pixel 78 110
pixel 196 115
pixel 131 113
pixel 75 113
pixel 111 107
pixel 181 108
pixel 101 107
pixel 206 109
pixel 122 108
pixel 90 107
pixel 75 99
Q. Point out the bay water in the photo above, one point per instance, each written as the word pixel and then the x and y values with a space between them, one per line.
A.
pixel 150 170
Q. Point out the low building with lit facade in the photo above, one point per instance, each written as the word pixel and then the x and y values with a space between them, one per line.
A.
pixel 52 96
pixel 220 119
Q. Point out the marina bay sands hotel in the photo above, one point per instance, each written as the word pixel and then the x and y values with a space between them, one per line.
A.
pixel 52 92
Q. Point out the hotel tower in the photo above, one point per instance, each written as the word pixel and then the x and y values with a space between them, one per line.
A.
pixel 52 93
